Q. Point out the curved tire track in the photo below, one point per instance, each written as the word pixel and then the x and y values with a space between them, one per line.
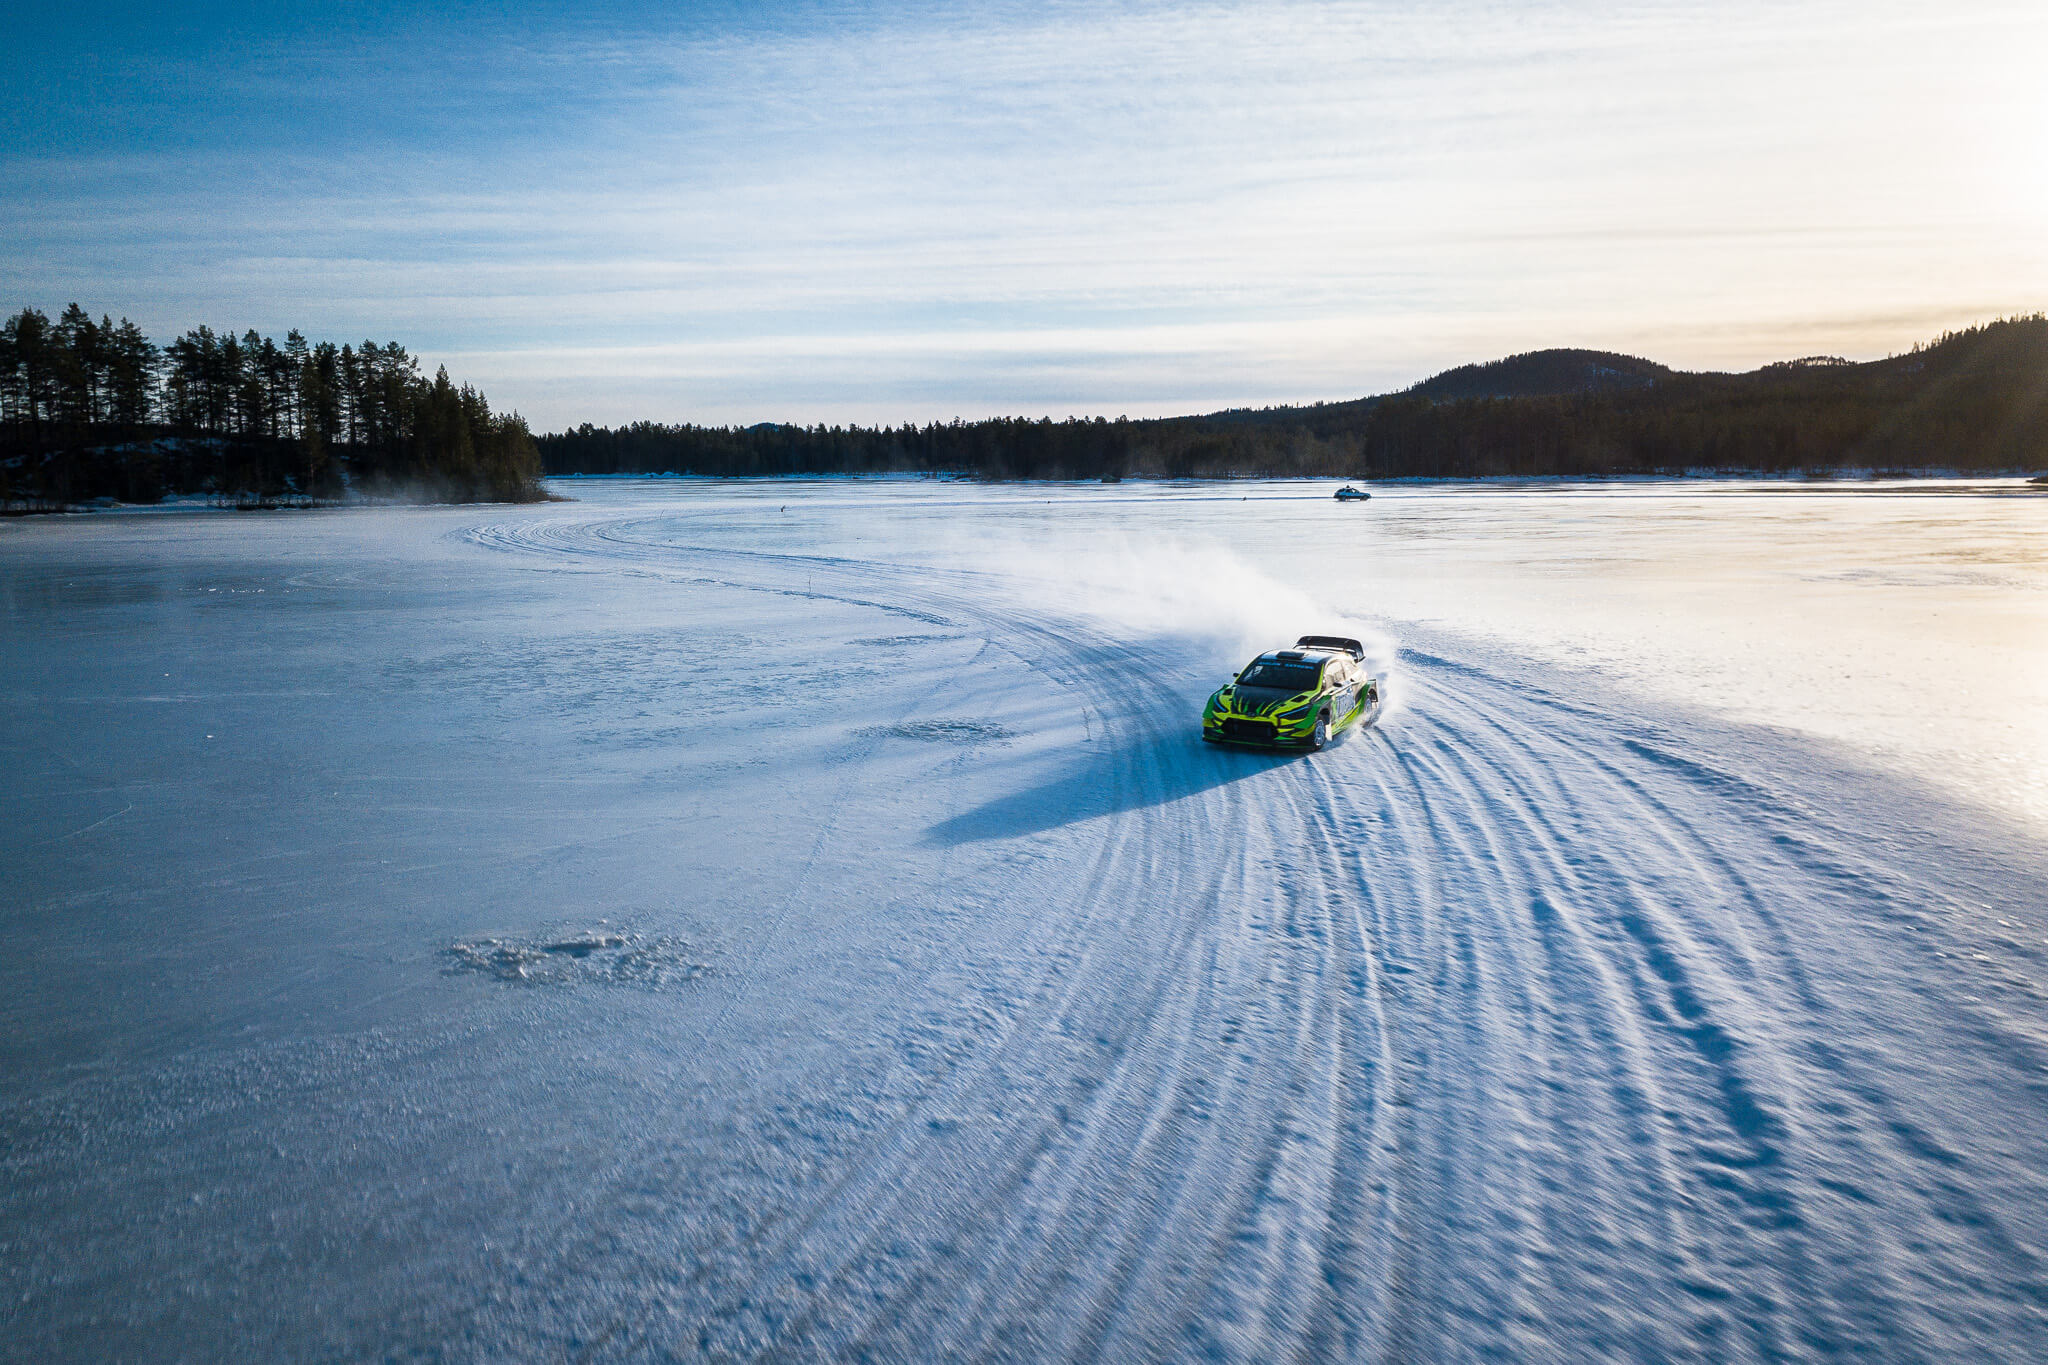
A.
pixel 1499 1032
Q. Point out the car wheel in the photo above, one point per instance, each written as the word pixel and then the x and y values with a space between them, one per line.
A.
pixel 1322 734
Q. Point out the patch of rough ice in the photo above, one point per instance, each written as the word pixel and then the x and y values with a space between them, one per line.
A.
pixel 945 731
pixel 902 641
pixel 598 957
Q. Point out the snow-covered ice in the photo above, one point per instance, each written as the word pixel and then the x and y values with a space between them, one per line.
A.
pixel 799 920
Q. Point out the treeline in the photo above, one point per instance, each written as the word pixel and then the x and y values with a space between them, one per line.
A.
pixel 1973 401
pixel 96 410
pixel 999 448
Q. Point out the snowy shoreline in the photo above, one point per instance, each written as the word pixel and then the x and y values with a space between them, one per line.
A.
pixel 2005 482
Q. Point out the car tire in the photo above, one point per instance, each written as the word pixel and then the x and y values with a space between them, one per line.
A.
pixel 1322 732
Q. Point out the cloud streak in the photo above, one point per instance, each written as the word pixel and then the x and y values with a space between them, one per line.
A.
pixel 844 215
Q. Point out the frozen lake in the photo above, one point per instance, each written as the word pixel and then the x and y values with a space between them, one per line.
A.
pixel 799 920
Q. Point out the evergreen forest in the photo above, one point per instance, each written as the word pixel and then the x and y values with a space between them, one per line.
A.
pixel 1974 401
pixel 95 410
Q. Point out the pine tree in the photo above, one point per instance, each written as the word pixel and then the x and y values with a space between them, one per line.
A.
pixel 132 364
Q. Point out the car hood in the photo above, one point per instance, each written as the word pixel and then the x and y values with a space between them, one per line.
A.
pixel 1258 701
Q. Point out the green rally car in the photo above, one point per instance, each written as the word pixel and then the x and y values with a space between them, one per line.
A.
pixel 1296 698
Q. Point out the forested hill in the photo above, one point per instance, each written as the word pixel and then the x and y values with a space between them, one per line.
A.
pixel 1975 400
pixel 1543 374
pixel 1533 374
pixel 95 409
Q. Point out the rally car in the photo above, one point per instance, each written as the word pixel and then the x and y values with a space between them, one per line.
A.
pixel 1295 698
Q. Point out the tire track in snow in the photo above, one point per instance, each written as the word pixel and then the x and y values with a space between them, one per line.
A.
pixel 1116 1097
pixel 1501 1032
pixel 1538 967
pixel 1697 1007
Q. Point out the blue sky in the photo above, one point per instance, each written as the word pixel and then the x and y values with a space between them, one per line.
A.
pixel 829 211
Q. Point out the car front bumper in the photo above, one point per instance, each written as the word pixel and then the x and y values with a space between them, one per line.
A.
pixel 1259 733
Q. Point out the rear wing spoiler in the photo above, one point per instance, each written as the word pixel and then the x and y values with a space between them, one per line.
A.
pixel 1351 647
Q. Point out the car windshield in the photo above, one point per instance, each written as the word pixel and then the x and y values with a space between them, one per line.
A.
pixel 1285 677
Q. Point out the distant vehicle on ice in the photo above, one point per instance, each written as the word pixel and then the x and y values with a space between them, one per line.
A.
pixel 1296 698
pixel 1349 494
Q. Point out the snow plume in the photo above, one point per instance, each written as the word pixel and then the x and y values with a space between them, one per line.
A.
pixel 1220 608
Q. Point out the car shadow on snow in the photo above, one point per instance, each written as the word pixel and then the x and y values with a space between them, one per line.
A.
pixel 1111 781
